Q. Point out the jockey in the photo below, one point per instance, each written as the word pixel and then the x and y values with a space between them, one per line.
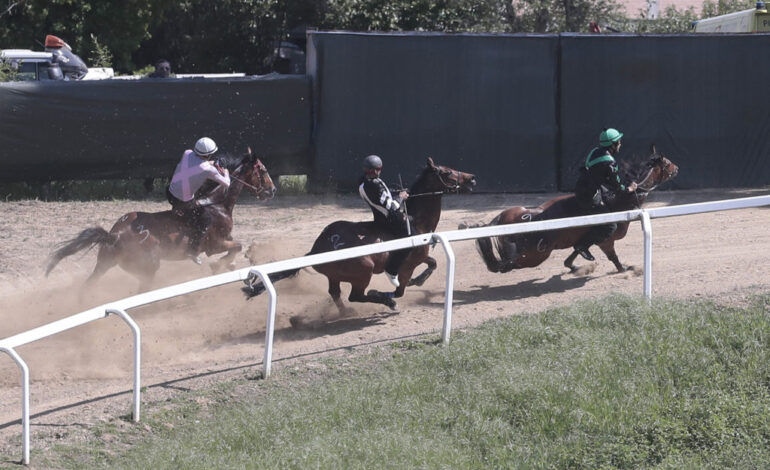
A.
pixel 388 211
pixel 193 170
pixel 597 184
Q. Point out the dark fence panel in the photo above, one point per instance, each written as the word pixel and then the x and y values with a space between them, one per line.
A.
pixel 699 98
pixel 479 103
pixel 119 129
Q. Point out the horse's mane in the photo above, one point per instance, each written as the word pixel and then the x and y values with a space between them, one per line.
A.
pixel 633 168
pixel 225 160
pixel 230 161
pixel 413 188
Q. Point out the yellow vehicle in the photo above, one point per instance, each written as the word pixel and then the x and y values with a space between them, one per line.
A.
pixel 755 20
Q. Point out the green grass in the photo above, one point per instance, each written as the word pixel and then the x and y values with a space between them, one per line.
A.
pixel 606 384
pixel 292 184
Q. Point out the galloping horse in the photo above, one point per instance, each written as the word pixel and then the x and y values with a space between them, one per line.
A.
pixel 425 209
pixel 527 250
pixel 139 240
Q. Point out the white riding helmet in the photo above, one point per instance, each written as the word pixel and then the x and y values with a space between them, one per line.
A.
pixel 205 147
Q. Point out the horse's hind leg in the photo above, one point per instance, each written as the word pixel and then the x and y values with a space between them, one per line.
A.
pixel 569 262
pixel 335 292
pixel 105 260
pixel 420 280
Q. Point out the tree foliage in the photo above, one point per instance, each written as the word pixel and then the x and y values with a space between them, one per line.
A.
pixel 241 35
pixel 120 26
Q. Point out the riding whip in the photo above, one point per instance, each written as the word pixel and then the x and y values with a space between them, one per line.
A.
pixel 406 213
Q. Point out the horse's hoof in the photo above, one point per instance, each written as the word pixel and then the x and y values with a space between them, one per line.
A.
pixel 584 270
pixel 635 270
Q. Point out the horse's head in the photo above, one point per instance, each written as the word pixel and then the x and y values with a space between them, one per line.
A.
pixel 448 180
pixel 253 174
pixel 660 170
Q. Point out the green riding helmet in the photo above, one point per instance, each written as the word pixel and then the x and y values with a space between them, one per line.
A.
pixel 609 137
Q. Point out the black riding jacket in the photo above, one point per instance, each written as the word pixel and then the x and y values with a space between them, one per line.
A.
pixel 387 210
pixel 599 171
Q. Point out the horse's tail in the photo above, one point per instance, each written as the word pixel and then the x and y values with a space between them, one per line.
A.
pixel 86 239
pixel 486 248
pixel 254 285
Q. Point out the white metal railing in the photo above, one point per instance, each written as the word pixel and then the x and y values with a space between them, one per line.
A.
pixel 119 307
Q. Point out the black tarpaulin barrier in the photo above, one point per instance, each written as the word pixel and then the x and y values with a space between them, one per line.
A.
pixel 140 128
pixel 700 98
pixel 484 104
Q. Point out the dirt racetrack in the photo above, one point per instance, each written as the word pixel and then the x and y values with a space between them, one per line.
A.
pixel 84 374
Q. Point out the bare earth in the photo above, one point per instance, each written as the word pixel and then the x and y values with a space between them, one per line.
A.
pixel 84 375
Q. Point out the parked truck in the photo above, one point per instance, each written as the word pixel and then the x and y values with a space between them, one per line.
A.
pixel 754 20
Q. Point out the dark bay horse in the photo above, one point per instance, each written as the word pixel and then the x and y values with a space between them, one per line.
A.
pixel 527 250
pixel 140 240
pixel 424 206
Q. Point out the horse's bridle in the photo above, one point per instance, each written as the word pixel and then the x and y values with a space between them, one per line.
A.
pixel 667 174
pixel 257 167
pixel 455 173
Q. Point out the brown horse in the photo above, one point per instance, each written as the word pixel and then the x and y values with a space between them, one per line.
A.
pixel 140 240
pixel 424 206
pixel 527 250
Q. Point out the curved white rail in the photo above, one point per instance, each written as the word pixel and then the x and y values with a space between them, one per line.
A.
pixel 119 307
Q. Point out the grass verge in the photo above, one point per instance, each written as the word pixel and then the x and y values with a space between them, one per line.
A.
pixel 604 384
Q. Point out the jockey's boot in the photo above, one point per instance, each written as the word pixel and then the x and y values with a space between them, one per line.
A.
pixel 583 251
pixel 393 278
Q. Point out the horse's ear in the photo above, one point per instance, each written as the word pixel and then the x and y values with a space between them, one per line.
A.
pixel 430 163
pixel 653 149
pixel 248 150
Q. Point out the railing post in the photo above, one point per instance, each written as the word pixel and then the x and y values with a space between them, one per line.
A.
pixel 137 358
pixel 24 403
pixel 647 229
pixel 450 282
pixel 270 327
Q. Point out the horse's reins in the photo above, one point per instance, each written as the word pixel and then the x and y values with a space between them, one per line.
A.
pixel 434 193
pixel 256 189
pixel 450 187
pixel 650 189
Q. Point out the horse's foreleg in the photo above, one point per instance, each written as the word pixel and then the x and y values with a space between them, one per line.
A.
pixel 420 280
pixel 608 247
pixel 226 261
pixel 373 296
pixel 145 282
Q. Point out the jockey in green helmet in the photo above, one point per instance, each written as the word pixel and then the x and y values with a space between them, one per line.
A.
pixel 599 180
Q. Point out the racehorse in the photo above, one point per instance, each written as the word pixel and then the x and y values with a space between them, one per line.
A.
pixel 424 206
pixel 140 240
pixel 527 250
